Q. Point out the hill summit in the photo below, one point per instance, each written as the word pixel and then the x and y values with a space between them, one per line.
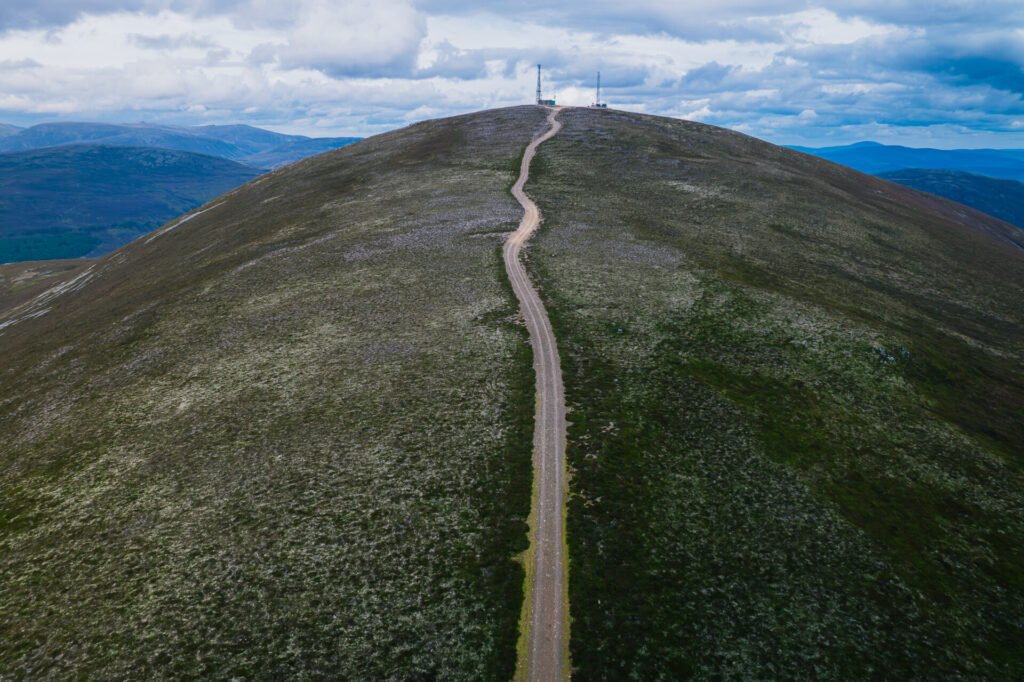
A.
pixel 290 433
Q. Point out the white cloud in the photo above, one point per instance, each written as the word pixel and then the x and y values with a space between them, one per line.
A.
pixel 822 27
pixel 355 37
pixel 792 70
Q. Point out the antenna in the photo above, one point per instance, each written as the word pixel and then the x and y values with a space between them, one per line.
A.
pixel 597 101
pixel 539 98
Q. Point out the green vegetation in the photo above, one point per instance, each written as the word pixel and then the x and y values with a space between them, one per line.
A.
pixel 20 282
pixel 289 438
pixel 797 404
pixel 73 201
pixel 1003 199
pixel 47 245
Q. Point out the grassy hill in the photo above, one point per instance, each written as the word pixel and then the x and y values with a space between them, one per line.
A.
pixel 21 282
pixel 78 200
pixel 287 438
pixel 290 437
pixel 872 157
pixel 797 406
pixel 1003 199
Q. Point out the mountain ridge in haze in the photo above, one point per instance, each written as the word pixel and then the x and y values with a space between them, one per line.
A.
pixel 875 158
pixel 235 142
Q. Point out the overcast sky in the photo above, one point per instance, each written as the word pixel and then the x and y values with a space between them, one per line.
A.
pixel 945 73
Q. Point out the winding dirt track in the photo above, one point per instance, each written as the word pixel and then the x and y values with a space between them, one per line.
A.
pixel 545 614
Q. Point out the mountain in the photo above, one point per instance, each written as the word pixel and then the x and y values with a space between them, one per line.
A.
pixel 235 142
pixel 139 135
pixel 78 200
pixel 874 158
pixel 247 139
pixel 1003 199
pixel 67 192
pixel 289 435
pixel 797 405
pixel 291 152
pixel 309 408
pixel 6 130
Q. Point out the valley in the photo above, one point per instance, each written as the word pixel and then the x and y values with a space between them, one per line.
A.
pixel 72 190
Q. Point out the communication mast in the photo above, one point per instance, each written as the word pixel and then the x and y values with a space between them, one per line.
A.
pixel 597 101
pixel 540 98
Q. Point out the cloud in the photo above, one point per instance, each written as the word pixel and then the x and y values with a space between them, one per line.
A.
pixel 18 64
pixel 355 38
pixel 447 61
pixel 167 42
pixel 790 70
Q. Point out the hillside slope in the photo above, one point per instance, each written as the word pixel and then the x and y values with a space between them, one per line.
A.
pixel 288 436
pixel 1003 199
pixel 797 411
pixel 79 200
pixel 21 282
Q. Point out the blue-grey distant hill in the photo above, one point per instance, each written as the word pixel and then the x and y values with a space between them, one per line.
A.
pixel 242 143
pixel 1001 198
pixel 291 152
pixel 69 190
pixel 875 158
pixel 86 200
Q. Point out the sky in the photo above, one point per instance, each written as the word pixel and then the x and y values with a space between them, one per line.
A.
pixel 938 73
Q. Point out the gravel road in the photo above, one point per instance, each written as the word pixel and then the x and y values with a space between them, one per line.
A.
pixel 547 652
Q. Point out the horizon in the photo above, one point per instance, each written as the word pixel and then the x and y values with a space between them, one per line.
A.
pixel 285 132
pixel 815 74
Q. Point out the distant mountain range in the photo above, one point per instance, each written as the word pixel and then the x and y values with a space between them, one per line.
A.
pixel 988 180
pixel 69 190
pixel 87 200
pixel 290 152
pixel 875 158
pixel 242 143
